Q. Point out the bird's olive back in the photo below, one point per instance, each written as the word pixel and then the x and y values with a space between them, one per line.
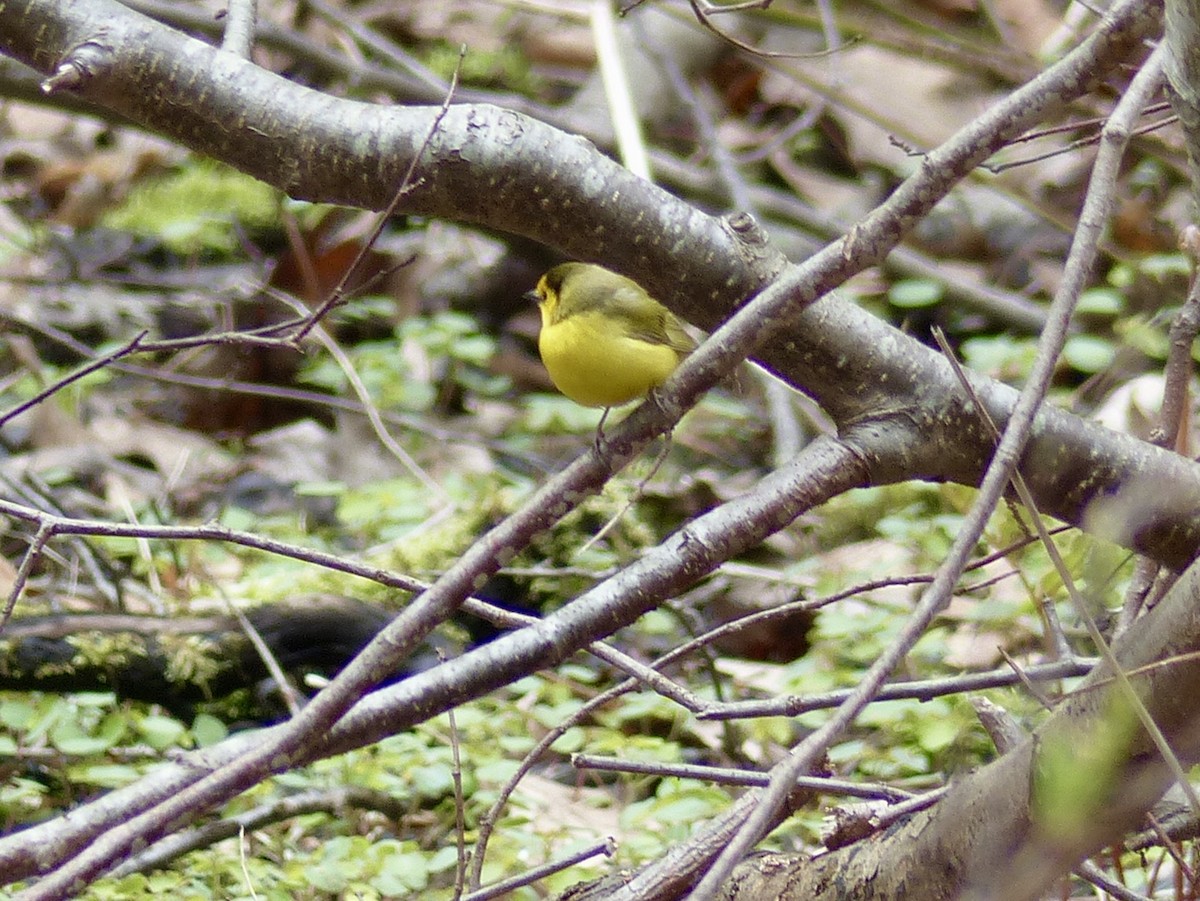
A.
pixel 582 288
pixel 573 288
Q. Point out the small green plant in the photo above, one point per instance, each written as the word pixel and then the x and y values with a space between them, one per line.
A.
pixel 197 209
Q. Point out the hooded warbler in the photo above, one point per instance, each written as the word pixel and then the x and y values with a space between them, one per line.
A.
pixel 604 340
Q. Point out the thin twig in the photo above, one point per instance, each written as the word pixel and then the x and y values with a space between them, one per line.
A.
pixel 638 491
pixel 335 802
pixel 406 185
pixel 785 428
pixel 1089 872
pixel 704 12
pixel 607 847
pixel 1177 381
pixel 259 338
pixel 460 802
pixel 44 533
pixel 287 691
pixel 371 410
pixel 726 776
pixel 917 690
pixel 134 345
pixel 65 525
pixel 1056 636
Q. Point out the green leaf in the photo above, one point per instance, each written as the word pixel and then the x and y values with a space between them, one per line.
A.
pixel 1162 265
pixel 320 489
pixel 1088 353
pixel 432 781
pixel 1101 302
pixel 16 713
pixel 402 872
pixel 340 863
pixel 574 739
pixel 208 730
pixel 1002 357
pixel 70 737
pixel 160 732
pixel 915 293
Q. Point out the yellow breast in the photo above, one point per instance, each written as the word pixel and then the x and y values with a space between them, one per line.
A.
pixel 596 366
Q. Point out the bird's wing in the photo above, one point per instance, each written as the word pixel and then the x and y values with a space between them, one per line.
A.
pixel 654 325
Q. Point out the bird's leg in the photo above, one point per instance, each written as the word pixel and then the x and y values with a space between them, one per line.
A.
pixel 600 429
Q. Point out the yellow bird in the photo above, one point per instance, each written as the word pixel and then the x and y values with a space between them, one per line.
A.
pixel 604 340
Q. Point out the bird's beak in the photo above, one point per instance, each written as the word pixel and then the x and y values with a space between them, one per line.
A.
pixel 532 296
